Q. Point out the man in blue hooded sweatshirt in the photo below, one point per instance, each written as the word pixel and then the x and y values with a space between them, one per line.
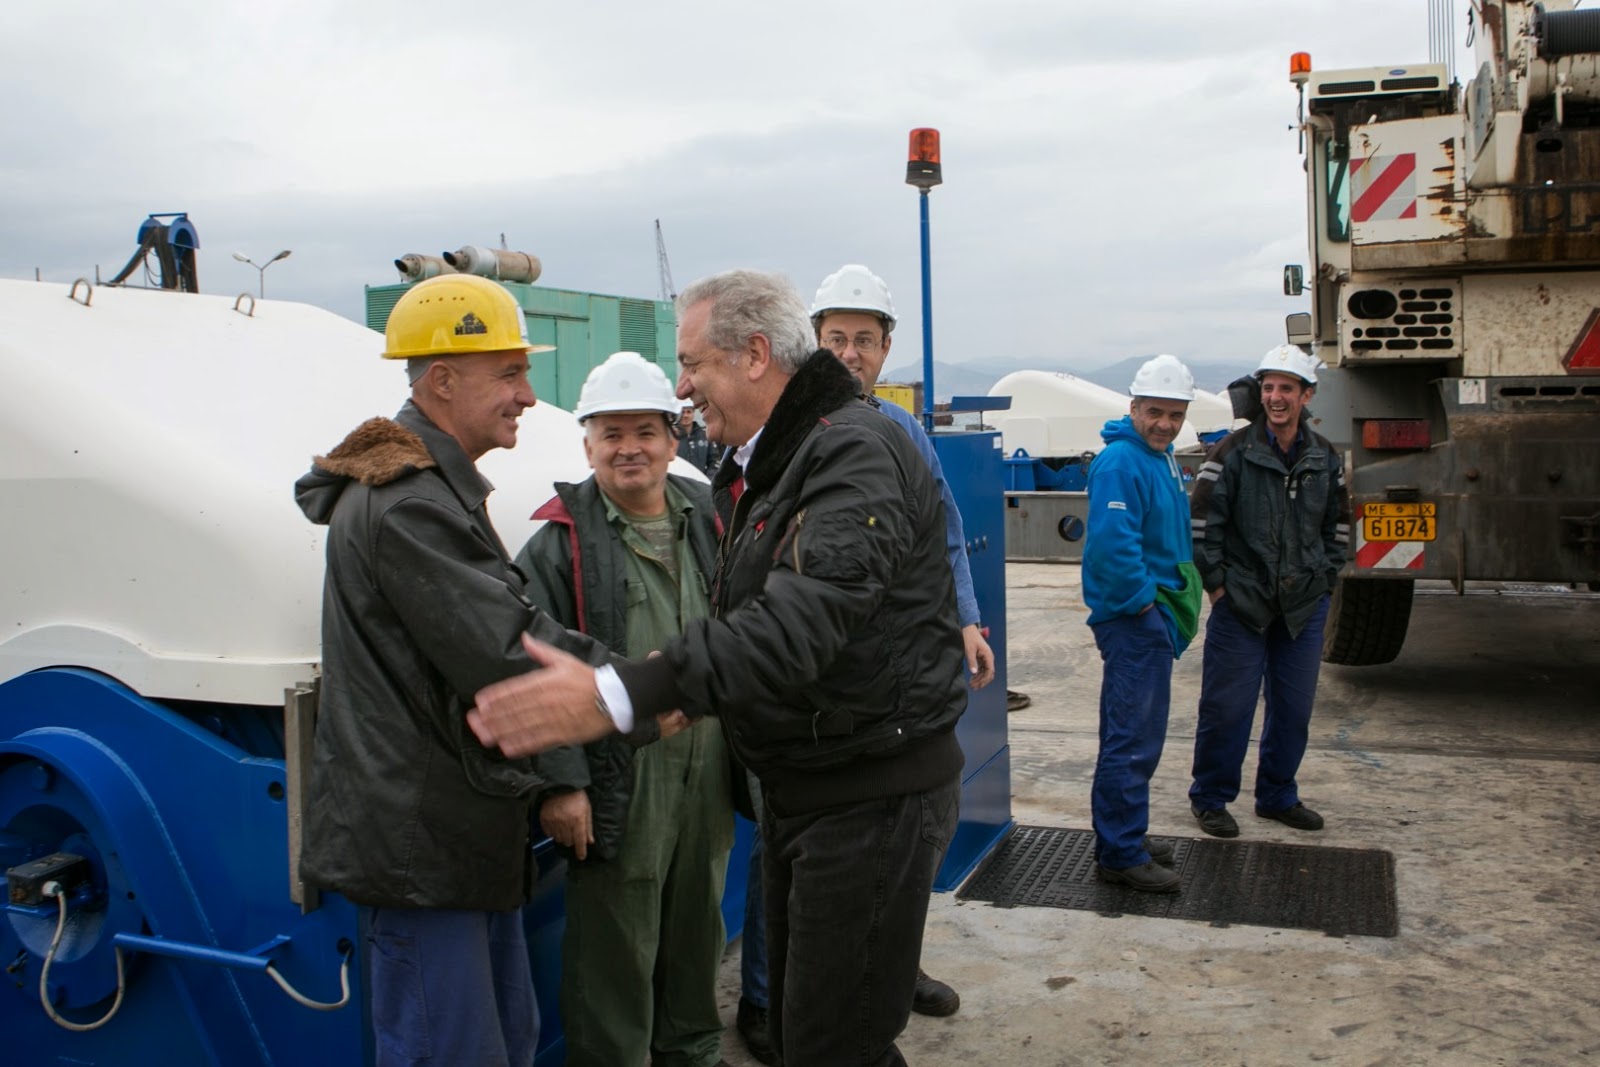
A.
pixel 1143 594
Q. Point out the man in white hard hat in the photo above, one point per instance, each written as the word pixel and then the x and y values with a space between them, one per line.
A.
pixel 1271 526
pixel 832 657
pixel 626 556
pixel 424 831
pixel 1143 595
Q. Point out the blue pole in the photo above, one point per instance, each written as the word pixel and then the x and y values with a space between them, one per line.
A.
pixel 927 319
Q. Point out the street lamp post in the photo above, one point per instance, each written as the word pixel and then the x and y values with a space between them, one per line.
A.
pixel 261 268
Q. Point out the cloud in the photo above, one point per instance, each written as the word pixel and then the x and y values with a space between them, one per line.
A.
pixel 1118 179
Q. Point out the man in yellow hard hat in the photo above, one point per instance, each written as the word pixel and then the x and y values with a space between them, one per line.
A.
pixel 407 816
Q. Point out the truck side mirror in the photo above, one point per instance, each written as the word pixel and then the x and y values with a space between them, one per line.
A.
pixel 1294 280
pixel 1298 327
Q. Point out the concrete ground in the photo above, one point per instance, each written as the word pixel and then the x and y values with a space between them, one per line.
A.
pixel 1473 758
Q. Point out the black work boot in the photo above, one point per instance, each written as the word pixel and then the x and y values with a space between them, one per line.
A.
pixel 1216 821
pixel 1161 852
pixel 934 997
pixel 1298 817
pixel 752 1026
pixel 1148 877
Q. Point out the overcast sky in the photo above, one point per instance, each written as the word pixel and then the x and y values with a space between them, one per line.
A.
pixel 1121 178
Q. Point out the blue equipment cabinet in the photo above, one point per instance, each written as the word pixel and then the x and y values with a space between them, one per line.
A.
pixel 974 468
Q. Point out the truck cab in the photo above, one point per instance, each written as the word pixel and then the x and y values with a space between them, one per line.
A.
pixel 1454 237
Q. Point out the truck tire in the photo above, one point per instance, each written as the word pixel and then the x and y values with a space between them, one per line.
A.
pixel 1367 621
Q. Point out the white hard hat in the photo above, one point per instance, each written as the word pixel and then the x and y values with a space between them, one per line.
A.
pixel 1290 359
pixel 627 381
pixel 1165 377
pixel 854 288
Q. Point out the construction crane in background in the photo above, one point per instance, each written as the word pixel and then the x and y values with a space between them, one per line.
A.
pixel 663 268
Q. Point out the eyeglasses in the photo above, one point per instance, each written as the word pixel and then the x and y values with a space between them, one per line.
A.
pixel 865 343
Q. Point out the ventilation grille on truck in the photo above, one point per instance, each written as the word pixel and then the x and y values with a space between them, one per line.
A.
pixel 1421 321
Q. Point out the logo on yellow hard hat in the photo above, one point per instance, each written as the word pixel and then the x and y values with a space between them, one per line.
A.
pixel 470 323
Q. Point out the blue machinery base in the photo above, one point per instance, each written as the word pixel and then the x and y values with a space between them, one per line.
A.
pixel 187 838
pixel 973 467
pixel 182 815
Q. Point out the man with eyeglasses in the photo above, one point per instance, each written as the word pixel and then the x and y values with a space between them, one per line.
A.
pixel 853 316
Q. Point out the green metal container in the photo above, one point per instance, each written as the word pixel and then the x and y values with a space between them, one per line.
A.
pixel 584 327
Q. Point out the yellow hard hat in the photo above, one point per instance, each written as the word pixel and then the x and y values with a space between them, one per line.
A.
pixel 454 315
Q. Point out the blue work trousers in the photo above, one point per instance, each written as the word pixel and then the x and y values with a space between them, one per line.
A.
pixel 847 892
pixel 753 942
pixel 1238 665
pixel 450 987
pixel 1135 697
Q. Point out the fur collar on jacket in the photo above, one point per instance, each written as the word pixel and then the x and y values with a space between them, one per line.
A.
pixel 821 385
pixel 376 453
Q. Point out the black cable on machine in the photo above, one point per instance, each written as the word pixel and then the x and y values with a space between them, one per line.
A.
pixel 1566 33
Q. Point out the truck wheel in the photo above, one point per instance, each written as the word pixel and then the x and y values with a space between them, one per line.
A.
pixel 1367 621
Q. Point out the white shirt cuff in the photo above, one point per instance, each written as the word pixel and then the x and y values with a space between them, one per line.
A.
pixel 615 696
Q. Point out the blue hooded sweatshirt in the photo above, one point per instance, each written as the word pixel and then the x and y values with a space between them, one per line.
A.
pixel 1138 549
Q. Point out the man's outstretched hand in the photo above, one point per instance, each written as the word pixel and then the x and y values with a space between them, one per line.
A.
pixel 544 708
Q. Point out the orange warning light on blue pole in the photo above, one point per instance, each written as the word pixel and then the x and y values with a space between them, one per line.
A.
pixel 922 163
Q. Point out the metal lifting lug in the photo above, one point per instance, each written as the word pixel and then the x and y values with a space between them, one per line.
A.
pixel 1581 531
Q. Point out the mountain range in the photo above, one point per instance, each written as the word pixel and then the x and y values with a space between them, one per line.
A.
pixel 976 377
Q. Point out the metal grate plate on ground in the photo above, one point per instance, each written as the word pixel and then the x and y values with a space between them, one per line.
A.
pixel 1339 891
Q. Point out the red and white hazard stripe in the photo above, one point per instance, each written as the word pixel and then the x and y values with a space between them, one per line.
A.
pixel 1386 555
pixel 1384 187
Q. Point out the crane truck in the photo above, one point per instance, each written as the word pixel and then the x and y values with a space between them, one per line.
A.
pixel 1455 297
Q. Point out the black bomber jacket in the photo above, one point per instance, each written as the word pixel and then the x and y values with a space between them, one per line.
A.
pixel 833 654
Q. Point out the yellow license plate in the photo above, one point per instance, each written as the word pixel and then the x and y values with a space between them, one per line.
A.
pixel 1399 522
pixel 1398 511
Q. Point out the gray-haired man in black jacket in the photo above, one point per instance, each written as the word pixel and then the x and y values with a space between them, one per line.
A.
pixel 833 657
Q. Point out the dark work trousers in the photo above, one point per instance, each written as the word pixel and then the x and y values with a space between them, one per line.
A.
pixel 450 987
pixel 1135 697
pixel 1237 665
pixel 846 893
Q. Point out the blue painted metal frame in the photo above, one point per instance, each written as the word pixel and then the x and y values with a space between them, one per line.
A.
pixel 187 836
pixel 973 468
pixel 188 839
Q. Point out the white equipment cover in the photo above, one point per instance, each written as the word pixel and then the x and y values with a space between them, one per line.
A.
pixel 149 444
